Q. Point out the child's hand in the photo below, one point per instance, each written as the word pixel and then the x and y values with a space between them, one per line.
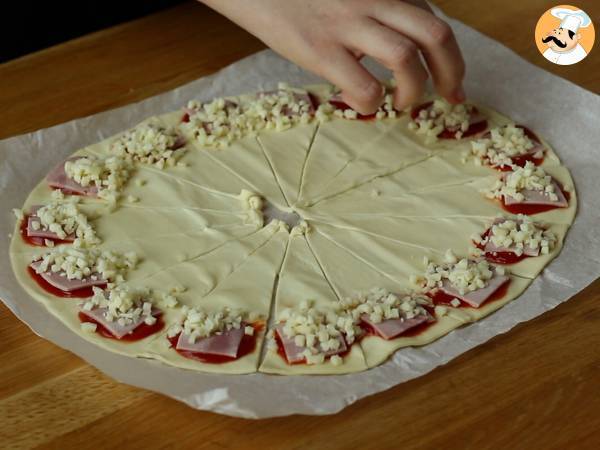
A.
pixel 329 37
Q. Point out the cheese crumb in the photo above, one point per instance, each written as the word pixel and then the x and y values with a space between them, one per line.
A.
pixel 222 121
pixel 107 174
pixel 502 144
pixel 63 217
pixel 123 305
pixel 440 116
pixel 528 177
pixel 81 263
pixel 465 276
pixel 150 144
pixel 198 323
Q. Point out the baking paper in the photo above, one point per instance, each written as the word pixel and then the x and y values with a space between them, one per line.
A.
pixel 566 115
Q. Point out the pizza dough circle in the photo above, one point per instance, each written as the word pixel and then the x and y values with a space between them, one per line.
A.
pixel 376 201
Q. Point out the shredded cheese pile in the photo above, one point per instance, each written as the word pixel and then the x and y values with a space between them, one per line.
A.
pixel 465 275
pixel 198 323
pixel 380 305
pixel 503 144
pixel 79 263
pixel 123 305
pixel 150 144
pixel 316 330
pixel 529 177
pixel 441 116
pixel 107 174
pixel 519 234
pixel 63 217
pixel 222 121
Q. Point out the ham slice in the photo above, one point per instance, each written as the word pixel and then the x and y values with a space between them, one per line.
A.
pixel 391 328
pixel 539 198
pixel 225 344
pixel 40 232
pixel 293 353
pixel 478 297
pixel 58 179
pixel 117 330
pixel 60 281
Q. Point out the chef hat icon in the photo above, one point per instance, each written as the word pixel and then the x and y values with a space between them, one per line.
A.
pixel 571 19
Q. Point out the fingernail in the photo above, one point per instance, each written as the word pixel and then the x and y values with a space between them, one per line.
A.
pixel 459 95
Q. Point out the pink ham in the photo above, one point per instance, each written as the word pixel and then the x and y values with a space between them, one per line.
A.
pixel 225 344
pixel 40 232
pixel 491 248
pixel 60 281
pixel 539 198
pixel 58 179
pixel 113 327
pixel 478 297
pixel 391 328
pixel 293 353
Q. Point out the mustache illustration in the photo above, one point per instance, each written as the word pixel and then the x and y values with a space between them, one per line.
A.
pixel 556 41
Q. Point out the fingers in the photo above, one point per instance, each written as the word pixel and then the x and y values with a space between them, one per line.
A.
pixel 398 54
pixel 435 39
pixel 360 90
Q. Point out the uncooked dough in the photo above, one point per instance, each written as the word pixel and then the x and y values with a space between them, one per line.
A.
pixel 375 201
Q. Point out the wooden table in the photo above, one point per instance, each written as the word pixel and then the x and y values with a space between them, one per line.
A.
pixel 535 387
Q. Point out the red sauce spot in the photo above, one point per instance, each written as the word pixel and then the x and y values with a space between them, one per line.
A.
pixel 139 333
pixel 78 293
pixel 185 118
pixel 439 297
pixel 499 257
pixel 529 210
pixel 247 346
pixel 38 241
pixel 474 128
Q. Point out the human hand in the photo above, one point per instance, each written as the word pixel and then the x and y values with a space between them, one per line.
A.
pixel 329 37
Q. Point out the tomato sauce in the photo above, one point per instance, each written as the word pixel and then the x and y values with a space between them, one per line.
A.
pixel 77 293
pixel 141 332
pixel 247 346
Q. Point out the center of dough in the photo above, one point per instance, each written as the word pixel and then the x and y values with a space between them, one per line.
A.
pixel 271 212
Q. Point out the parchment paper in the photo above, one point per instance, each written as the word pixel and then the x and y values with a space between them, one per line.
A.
pixel 568 116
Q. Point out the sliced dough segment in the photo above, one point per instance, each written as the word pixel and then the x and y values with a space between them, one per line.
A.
pixel 349 276
pixel 440 234
pixel 249 287
pixel 287 152
pixel 301 279
pixel 461 200
pixel 242 165
pixel 340 142
pixel 396 260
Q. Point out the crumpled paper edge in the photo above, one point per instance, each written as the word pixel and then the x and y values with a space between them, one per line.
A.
pixel 251 396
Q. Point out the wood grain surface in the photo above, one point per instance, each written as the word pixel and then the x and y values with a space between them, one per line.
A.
pixel 536 387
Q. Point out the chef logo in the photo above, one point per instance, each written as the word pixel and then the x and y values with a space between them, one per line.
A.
pixel 564 35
